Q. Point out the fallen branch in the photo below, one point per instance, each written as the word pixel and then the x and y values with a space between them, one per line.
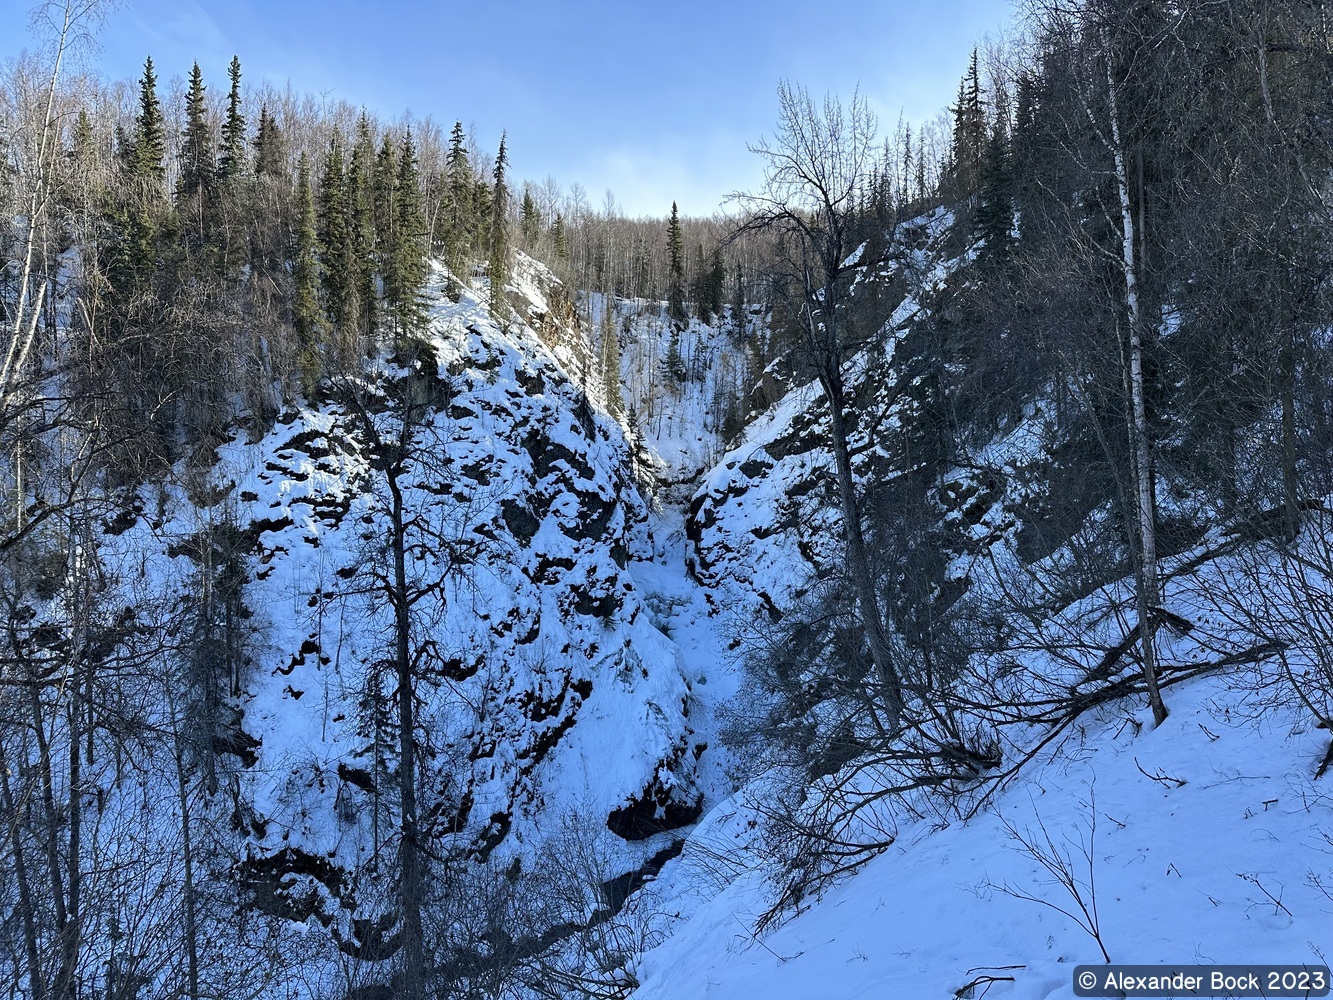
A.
pixel 1164 779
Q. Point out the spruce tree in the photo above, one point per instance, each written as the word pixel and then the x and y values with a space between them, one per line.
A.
pixel 82 138
pixel 229 235
pixel 404 296
pixel 261 143
pixel 969 132
pixel 994 222
pixel 1025 155
pixel 338 276
pixel 558 239
pixel 268 147
pixel 676 255
pixel 482 203
pixel 196 155
pixel 231 157
pixel 383 178
pixel 123 146
pixel 305 279
pixel 267 204
pixel 82 158
pixel 531 222
pixel 362 224
pixel 195 180
pixel 133 252
pixel 460 235
pixel 905 180
pixel 958 141
pixel 699 364
pixel 738 302
pixel 675 362
pixel 498 269
pixel 149 148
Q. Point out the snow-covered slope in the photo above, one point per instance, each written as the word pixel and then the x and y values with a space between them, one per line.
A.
pixel 575 641
pixel 685 386
pixel 1204 841
pixel 765 518
pixel 546 692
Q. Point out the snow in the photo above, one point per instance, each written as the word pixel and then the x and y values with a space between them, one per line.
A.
pixel 855 256
pixel 588 654
pixel 553 691
pixel 1207 840
pixel 679 421
pixel 1183 859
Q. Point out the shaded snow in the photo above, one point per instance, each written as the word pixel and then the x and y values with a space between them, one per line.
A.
pixel 1181 872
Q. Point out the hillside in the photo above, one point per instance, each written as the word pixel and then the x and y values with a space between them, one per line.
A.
pixel 1202 842
pixel 417 583
pixel 553 712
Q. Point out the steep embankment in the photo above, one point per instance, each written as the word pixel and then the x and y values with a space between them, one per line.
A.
pixel 1203 841
pixel 547 693
pixel 685 387
pixel 1206 840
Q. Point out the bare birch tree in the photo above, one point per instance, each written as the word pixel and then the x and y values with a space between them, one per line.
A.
pixel 68 21
pixel 815 164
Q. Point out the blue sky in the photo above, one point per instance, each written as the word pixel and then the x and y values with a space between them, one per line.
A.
pixel 655 101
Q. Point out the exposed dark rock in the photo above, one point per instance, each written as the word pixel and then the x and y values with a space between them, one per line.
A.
pixel 356 776
pixel 477 472
pixel 495 831
pixel 315 444
pixel 232 739
pixel 594 518
pixel 653 811
pixel 596 606
pixel 372 941
pixel 520 521
pixel 532 382
pixel 122 522
pixel 273 882
pixel 308 647
pixel 755 468
pixel 545 453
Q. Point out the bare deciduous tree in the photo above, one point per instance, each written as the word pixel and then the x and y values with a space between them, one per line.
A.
pixel 815 165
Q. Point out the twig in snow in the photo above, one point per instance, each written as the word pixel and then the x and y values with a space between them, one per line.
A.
pixel 782 959
pixel 1164 779
pixel 1057 860
pixel 1278 906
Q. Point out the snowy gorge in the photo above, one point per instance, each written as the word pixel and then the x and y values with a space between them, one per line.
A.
pixel 585 610
pixel 915 582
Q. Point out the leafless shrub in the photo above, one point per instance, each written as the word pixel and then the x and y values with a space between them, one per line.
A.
pixel 1077 876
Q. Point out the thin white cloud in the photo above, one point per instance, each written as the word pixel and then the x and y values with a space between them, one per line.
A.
pixel 697 174
pixel 181 26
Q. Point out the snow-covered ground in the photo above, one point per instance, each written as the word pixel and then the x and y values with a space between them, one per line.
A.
pixel 680 414
pixel 1205 841
pixel 577 628
pixel 557 637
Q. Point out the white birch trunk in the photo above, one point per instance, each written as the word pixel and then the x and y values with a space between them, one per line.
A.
pixel 1149 596
pixel 20 340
